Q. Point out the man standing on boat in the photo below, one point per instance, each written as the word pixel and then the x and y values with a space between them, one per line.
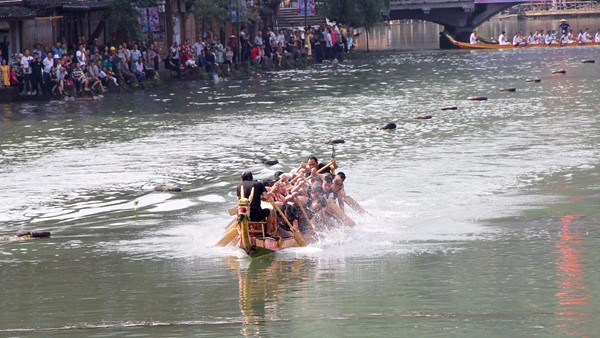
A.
pixel 257 190
pixel 564 26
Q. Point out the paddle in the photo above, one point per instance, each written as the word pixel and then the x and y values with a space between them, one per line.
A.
pixel 312 225
pixel 354 205
pixel 339 213
pixel 229 235
pixel 325 167
pixel 296 233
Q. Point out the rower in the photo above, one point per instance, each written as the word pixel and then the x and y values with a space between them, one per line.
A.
pixel 597 37
pixel 313 164
pixel 338 188
pixel 502 39
pixel 257 191
pixel 517 39
pixel 474 39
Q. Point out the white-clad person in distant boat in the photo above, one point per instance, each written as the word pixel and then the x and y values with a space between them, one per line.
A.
pixel 257 213
pixel 518 40
pixel 597 37
pixel 502 40
pixel 474 39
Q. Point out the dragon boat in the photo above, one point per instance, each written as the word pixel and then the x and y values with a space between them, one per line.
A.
pixel 466 45
pixel 253 239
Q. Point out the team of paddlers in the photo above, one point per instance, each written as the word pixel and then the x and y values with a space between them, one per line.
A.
pixel 309 198
pixel 564 36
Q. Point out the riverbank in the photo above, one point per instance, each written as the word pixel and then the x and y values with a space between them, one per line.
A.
pixel 235 71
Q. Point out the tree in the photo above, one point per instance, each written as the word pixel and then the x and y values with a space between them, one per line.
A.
pixel 359 13
pixel 211 9
pixel 123 19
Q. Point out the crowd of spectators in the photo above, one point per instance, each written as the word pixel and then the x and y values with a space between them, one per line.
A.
pixel 91 67
pixel 56 70
pixel 267 48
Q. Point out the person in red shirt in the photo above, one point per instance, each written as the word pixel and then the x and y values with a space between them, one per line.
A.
pixel 14 81
pixel 255 55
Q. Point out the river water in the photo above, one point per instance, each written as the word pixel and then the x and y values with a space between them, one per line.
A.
pixel 484 219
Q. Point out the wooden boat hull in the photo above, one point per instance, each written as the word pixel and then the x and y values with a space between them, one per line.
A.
pixel 267 245
pixel 254 241
pixel 466 45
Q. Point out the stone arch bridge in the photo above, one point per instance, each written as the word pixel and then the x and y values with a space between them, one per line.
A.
pixel 459 17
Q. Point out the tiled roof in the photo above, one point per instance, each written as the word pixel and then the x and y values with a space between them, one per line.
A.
pixel 85 5
pixel 16 12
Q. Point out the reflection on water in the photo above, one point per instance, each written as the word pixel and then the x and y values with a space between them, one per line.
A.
pixel 401 34
pixel 262 284
pixel 573 294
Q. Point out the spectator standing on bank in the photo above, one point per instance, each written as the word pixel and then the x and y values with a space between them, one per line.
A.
pixel 25 66
pixel 47 65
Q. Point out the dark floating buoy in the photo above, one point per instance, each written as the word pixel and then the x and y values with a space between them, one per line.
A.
pixel 25 234
pixel 271 162
pixel 588 61
pixel 422 117
pixel 40 234
pixel 387 126
pixel 560 71
pixel 533 80
pixel 335 141
pixel 477 98
pixel 167 188
pixel 511 89
pixel 450 108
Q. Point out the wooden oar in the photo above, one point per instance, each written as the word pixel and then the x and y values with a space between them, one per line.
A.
pixel 339 213
pixel 229 235
pixel 296 233
pixel 233 210
pixel 354 205
pixel 231 224
pixel 312 225
pixel 325 167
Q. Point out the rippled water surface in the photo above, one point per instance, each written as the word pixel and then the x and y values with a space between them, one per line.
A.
pixel 484 219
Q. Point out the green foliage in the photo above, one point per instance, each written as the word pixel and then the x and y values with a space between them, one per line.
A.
pixel 359 13
pixel 211 9
pixel 123 19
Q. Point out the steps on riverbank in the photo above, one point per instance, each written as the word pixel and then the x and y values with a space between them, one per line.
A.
pixel 289 17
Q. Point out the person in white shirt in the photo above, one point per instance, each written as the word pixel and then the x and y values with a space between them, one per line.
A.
pixel 25 60
pixel 517 39
pixel 581 37
pixel 474 39
pixel 198 47
pixel 502 39
pixel 47 64
pixel 80 55
pixel 597 37
pixel 588 37
pixel 531 38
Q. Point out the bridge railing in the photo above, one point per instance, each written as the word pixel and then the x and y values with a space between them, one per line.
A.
pixel 400 3
pixel 553 5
